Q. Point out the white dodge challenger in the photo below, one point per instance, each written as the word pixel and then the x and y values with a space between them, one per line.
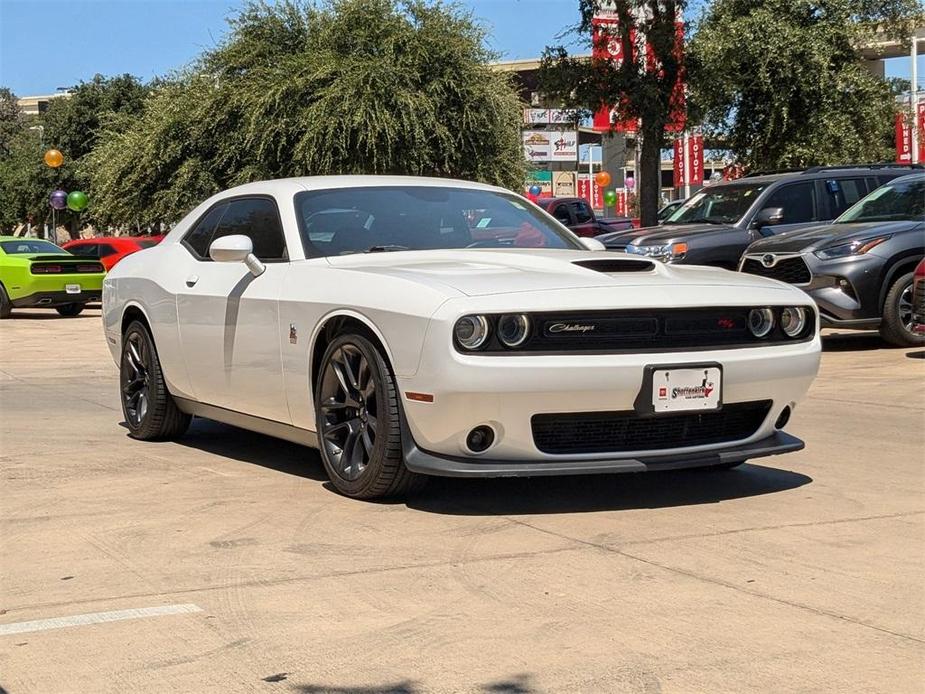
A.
pixel 419 326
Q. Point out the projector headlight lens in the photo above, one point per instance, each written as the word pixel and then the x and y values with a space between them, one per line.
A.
pixel 793 320
pixel 471 332
pixel 760 321
pixel 513 329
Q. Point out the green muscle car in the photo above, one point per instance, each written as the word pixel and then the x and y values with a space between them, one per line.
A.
pixel 39 274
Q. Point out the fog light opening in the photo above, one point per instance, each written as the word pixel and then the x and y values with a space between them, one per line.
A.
pixel 783 418
pixel 480 439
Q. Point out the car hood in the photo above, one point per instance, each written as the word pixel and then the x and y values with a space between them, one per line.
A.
pixel 654 236
pixel 483 272
pixel 816 237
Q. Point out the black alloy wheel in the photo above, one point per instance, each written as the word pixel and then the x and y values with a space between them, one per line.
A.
pixel 358 424
pixel 149 409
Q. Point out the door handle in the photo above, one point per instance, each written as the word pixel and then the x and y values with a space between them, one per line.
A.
pixel 192 280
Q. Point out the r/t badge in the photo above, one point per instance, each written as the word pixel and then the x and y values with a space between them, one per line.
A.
pixel 293 334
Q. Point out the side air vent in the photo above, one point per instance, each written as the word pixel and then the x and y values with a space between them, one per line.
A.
pixel 616 265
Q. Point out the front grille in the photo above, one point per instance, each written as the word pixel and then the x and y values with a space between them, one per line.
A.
pixel 623 432
pixel 790 270
pixel 641 330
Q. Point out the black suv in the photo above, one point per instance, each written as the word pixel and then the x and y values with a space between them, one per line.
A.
pixel 717 224
pixel 859 269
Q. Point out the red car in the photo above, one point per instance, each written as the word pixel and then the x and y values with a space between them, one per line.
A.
pixel 577 215
pixel 918 299
pixel 109 250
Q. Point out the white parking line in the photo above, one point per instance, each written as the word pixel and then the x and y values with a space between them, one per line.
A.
pixel 95 618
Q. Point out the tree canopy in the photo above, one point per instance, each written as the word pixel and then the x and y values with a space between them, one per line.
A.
pixel 783 83
pixel 351 86
pixel 642 86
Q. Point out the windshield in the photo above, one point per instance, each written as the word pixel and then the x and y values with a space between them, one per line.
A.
pixel 30 246
pixel 413 218
pixel 898 200
pixel 717 205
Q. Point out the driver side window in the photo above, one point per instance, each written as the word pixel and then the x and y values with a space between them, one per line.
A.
pixel 256 218
pixel 798 201
pixel 561 213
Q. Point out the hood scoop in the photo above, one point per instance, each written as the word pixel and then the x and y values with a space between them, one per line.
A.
pixel 613 265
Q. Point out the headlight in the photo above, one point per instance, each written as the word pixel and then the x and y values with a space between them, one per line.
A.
pixel 513 329
pixel 760 321
pixel 666 253
pixel 793 320
pixel 471 332
pixel 844 250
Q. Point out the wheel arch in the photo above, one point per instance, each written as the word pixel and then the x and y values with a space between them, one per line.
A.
pixel 132 312
pixel 897 268
pixel 339 323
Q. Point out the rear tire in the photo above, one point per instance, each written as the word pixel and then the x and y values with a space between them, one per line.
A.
pixel 70 310
pixel 6 306
pixel 149 409
pixel 897 315
pixel 358 422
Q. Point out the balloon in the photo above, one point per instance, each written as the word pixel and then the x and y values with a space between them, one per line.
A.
pixel 54 158
pixel 58 199
pixel 610 197
pixel 535 189
pixel 77 200
pixel 630 182
pixel 602 178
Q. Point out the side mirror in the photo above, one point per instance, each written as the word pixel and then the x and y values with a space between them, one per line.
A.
pixel 592 244
pixel 236 249
pixel 768 216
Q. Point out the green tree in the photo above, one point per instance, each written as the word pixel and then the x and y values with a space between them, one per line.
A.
pixel 783 82
pixel 642 86
pixel 351 86
pixel 71 124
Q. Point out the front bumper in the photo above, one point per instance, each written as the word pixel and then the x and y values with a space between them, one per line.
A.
pixel 52 299
pixel 427 463
pixel 505 393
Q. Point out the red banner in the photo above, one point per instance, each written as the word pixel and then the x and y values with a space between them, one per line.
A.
pixel 695 159
pixel 620 206
pixel 589 190
pixel 903 140
pixel 607 44
pixel 679 163
pixel 920 126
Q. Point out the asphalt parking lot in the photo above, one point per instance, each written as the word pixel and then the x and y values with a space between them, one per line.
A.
pixel 246 573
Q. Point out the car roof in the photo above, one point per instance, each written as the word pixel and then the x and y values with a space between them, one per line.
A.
pixel 290 186
pixel 815 172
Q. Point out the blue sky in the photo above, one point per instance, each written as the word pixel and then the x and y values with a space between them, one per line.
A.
pixel 46 44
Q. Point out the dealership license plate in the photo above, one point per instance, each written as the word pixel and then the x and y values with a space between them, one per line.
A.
pixel 678 390
pixel 72 288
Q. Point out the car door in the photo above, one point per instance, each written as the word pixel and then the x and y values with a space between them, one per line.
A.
pixel 584 219
pixel 800 203
pixel 560 211
pixel 228 318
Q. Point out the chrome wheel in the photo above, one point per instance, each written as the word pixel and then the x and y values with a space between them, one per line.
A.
pixel 349 411
pixel 135 378
pixel 905 307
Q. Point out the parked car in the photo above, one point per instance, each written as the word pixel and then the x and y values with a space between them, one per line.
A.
pixel 717 224
pixel 668 209
pixel 38 274
pixel 918 299
pixel 109 250
pixel 385 339
pixel 859 269
pixel 577 215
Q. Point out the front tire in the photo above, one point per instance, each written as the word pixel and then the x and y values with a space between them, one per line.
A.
pixel 149 409
pixel 358 423
pixel 70 310
pixel 896 326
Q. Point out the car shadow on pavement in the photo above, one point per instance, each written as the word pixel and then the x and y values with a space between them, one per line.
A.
pixel 916 355
pixel 511 496
pixel 854 341
pixel 250 447
pixel 584 493
pixel 517 684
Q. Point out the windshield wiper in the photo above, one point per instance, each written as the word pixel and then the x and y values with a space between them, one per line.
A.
pixel 702 220
pixel 384 248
